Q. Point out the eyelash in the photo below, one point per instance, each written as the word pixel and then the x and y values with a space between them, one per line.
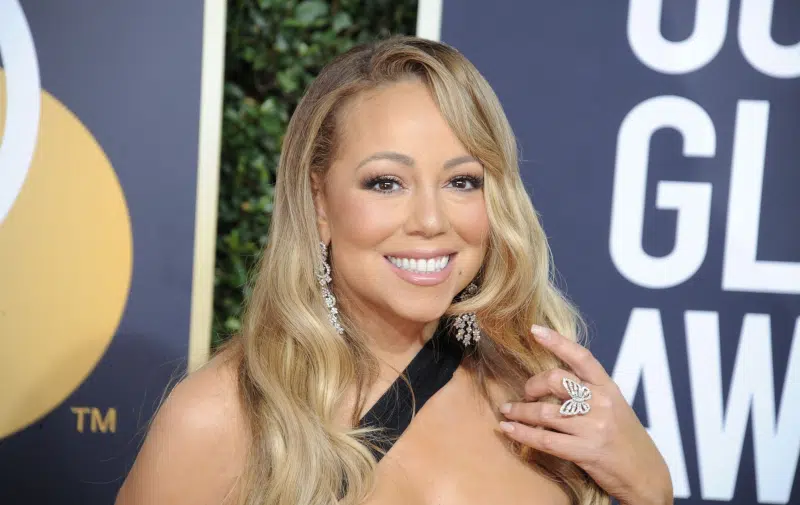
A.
pixel 477 182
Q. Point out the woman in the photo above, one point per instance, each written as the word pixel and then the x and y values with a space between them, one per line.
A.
pixel 402 239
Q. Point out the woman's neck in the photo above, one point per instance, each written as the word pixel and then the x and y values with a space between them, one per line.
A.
pixel 392 340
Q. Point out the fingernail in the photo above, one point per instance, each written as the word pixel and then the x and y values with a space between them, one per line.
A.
pixel 505 408
pixel 540 332
pixel 507 427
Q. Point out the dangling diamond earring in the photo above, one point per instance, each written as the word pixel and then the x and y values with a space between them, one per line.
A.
pixel 466 325
pixel 324 278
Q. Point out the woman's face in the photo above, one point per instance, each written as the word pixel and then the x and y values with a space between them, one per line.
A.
pixel 402 206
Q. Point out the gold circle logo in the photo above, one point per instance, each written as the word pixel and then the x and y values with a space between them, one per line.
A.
pixel 66 258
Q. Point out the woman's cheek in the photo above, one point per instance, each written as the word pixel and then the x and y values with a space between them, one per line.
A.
pixel 472 222
pixel 368 221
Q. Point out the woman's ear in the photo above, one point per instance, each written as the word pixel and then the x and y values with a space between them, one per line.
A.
pixel 320 207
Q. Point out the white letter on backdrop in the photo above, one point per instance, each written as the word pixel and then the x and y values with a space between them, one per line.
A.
pixel 643 356
pixel 720 431
pixel 665 56
pixel 741 271
pixel 758 47
pixel 691 200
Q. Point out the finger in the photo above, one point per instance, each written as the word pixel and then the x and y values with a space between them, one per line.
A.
pixel 544 414
pixel 549 383
pixel 561 445
pixel 575 355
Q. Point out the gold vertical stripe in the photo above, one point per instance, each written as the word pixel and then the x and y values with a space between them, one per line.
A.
pixel 205 232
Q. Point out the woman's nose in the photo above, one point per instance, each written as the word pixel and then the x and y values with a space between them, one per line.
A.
pixel 427 216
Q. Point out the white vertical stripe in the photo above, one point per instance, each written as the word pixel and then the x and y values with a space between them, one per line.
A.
pixel 429 19
pixel 205 230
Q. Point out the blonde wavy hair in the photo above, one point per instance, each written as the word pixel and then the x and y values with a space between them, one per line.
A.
pixel 294 370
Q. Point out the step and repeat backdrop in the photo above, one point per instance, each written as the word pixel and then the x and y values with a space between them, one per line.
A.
pixel 109 125
pixel 661 143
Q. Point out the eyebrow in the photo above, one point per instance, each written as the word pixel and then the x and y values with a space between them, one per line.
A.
pixel 409 161
pixel 458 161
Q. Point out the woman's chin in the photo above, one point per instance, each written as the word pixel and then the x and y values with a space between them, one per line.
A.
pixel 420 312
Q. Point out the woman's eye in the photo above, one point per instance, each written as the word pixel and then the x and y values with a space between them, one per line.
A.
pixel 384 185
pixel 466 183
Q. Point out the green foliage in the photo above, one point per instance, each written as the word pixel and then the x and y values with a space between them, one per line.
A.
pixel 274 49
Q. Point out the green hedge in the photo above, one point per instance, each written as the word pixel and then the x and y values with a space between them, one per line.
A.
pixel 274 49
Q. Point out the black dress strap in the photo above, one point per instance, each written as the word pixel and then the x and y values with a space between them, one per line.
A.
pixel 430 369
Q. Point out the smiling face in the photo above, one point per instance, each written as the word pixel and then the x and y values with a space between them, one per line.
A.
pixel 401 206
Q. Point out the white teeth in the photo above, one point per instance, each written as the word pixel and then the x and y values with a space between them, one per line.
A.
pixel 420 266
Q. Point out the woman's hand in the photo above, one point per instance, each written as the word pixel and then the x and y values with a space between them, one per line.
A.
pixel 608 442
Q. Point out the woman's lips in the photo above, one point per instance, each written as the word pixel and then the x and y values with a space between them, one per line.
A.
pixel 423 279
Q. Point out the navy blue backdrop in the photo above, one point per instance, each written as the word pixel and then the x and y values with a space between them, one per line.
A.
pixel 129 72
pixel 661 144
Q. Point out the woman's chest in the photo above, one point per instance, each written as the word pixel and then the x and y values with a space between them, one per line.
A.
pixel 453 453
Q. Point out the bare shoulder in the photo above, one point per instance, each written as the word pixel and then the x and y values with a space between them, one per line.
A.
pixel 196 446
